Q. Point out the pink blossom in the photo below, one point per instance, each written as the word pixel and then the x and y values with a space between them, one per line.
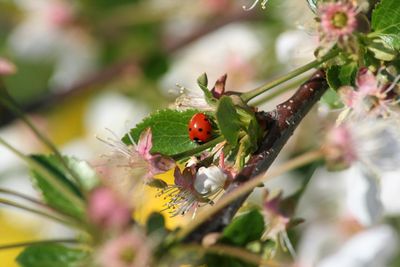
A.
pixel 183 196
pixel 193 188
pixel 219 88
pixel 7 67
pixel 217 6
pixel 277 221
pixel 106 209
pixel 138 157
pixel 338 19
pixel 241 70
pixel 367 82
pixel 59 13
pixel 127 250
pixel 349 96
pixel 370 95
pixel 339 147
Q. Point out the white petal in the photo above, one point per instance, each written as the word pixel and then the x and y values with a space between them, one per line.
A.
pixel 363 196
pixel 370 248
pixel 125 114
pixel 390 188
pixel 209 180
pixel 295 47
pixel 317 240
pixel 234 40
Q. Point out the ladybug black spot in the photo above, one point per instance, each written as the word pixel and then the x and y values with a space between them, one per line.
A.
pixel 208 132
pixel 200 129
pixel 190 129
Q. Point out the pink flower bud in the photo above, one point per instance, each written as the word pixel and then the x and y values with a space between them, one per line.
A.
pixel 60 13
pixel 339 148
pixel 127 250
pixel 7 67
pixel 106 209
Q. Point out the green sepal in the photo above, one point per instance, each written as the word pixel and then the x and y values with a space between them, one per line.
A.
pixel 202 81
pixel 338 76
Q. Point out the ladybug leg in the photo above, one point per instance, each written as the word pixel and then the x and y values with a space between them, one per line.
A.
pixel 198 141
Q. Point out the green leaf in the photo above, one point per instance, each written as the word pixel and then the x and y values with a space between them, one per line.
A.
pixel 51 195
pixel 370 59
pixel 339 76
pixel 34 76
pixel 382 50
pixel 155 223
pixel 169 129
pixel 332 76
pixel 348 73
pixel 228 120
pixel 386 22
pixel 213 260
pixel 332 99
pixel 156 65
pixel 51 255
pixel 244 228
pixel 266 248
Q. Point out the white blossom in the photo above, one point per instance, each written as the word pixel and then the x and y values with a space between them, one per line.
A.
pixel 209 180
pixel 370 248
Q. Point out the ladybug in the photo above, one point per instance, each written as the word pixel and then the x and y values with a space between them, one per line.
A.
pixel 199 128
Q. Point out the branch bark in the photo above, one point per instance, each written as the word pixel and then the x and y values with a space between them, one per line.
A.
pixel 280 124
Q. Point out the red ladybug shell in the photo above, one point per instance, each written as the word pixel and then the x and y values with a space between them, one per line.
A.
pixel 199 128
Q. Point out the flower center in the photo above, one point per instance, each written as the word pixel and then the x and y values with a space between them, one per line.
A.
pixel 339 20
pixel 128 255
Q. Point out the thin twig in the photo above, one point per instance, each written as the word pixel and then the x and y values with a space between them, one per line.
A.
pixel 35 211
pixel 35 201
pixel 294 73
pixel 23 196
pixel 46 174
pixel 283 89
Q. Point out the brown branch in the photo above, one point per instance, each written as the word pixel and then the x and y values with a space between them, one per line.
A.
pixel 280 124
pixel 112 72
